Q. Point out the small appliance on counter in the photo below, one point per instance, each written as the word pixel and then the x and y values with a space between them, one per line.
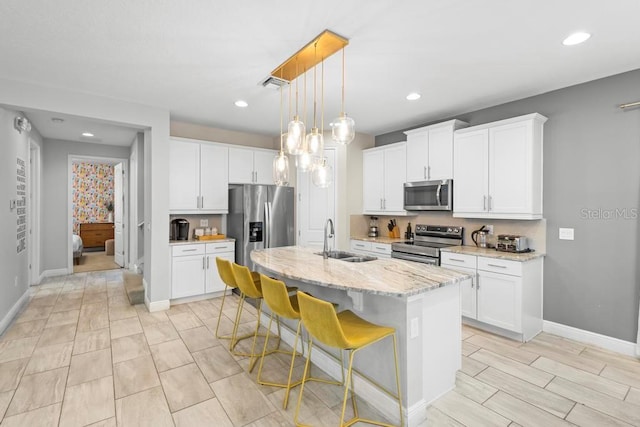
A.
pixel 479 237
pixel 512 243
pixel 373 227
pixel 179 229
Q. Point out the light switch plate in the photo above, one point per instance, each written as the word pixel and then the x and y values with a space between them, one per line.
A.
pixel 565 233
pixel 204 223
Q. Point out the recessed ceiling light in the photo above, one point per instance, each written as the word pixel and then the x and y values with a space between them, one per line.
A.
pixel 576 38
pixel 89 134
pixel 57 120
pixel 242 104
pixel 413 96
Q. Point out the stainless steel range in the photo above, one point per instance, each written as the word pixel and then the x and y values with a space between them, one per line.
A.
pixel 428 240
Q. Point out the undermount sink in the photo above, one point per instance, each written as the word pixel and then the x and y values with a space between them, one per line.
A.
pixel 348 256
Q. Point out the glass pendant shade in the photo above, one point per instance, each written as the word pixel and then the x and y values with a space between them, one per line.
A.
pixel 295 136
pixel 322 175
pixel 343 129
pixel 304 161
pixel 281 169
pixel 315 141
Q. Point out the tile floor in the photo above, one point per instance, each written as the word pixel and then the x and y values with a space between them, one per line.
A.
pixel 80 355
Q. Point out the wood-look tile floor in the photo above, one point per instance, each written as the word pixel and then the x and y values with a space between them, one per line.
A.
pixel 79 355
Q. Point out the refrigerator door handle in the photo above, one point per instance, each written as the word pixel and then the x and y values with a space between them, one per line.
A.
pixel 269 225
pixel 267 221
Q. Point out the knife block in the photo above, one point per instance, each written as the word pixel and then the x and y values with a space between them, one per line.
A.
pixel 395 233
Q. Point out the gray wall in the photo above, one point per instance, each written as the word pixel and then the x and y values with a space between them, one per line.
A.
pixel 55 183
pixel 591 161
pixel 13 265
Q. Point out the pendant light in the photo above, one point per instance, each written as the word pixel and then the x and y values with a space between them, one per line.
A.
pixel 281 161
pixel 322 173
pixel 314 138
pixel 343 128
pixel 296 129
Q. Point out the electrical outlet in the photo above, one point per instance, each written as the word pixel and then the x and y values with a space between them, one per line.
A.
pixel 565 233
pixel 415 328
pixel 489 229
pixel 204 223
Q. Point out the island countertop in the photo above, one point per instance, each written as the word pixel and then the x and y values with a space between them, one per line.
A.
pixel 390 277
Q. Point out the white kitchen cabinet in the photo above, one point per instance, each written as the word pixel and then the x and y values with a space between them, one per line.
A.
pixel 251 165
pixel 225 250
pixel 197 177
pixel 498 169
pixel 193 268
pixel 363 247
pixel 384 175
pixel 506 295
pixel 188 267
pixel 430 151
pixel 468 295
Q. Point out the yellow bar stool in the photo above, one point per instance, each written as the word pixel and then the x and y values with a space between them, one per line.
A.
pixel 282 305
pixel 226 274
pixel 345 331
pixel 251 289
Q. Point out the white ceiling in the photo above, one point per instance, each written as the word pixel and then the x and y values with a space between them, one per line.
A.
pixel 196 58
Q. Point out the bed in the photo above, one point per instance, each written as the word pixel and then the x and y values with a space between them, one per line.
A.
pixel 77 249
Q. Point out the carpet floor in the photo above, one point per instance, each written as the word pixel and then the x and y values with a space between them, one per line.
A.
pixel 95 261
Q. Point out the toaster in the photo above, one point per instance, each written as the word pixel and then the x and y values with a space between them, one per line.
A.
pixel 512 243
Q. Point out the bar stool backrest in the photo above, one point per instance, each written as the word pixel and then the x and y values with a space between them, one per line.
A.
pixel 321 320
pixel 225 272
pixel 276 295
pixel 244 281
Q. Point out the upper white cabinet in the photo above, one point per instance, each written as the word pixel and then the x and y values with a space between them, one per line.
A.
pixel 251 165
pixel 497 169
pixel 430 151
pixel 198 177
pixel 384 175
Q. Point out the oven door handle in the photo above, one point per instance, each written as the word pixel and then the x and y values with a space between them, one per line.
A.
pixel 416 258
pixel 438 191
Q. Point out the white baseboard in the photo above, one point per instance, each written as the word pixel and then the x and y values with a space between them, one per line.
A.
pixel 379 400
pixel 588 337
pixel 6 321
pixel 55 272
pixel 156 305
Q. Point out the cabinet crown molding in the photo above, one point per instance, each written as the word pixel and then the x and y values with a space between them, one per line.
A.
pixel 533 116
pixel 455 123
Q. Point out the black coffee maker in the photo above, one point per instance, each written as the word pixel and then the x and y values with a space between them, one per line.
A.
pixel 179 229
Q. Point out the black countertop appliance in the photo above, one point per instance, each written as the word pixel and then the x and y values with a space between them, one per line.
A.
pixel 179 229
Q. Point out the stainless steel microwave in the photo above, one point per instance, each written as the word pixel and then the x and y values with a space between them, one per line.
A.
pixel 429 195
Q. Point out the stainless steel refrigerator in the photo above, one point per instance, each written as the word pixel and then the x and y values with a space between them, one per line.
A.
pixel 260 216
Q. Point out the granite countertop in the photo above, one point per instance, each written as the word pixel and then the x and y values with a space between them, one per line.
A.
pixel 380 239
pixel 390 277
pixel 192 241
pixel 492 253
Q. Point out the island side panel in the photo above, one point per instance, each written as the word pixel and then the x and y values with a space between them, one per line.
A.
pixel 440 337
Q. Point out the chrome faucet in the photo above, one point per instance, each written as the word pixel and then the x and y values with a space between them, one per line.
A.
pixel 325 249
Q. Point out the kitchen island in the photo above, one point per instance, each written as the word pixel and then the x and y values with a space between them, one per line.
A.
pixel 421 301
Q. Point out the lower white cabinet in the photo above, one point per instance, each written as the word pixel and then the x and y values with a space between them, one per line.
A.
pixel 363 247
pixel 504 293
pixel 193 268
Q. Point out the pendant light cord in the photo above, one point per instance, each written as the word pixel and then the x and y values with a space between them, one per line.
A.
pixel 343 80
pixel 315 84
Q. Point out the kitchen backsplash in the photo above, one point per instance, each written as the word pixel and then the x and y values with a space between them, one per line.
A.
pixel 534 230
pixel 194 222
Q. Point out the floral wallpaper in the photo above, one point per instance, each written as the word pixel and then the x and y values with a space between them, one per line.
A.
pixel 92 189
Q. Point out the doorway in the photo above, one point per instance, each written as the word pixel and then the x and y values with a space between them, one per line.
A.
pixel 33 212
pixel 97 219
pixel 315 205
